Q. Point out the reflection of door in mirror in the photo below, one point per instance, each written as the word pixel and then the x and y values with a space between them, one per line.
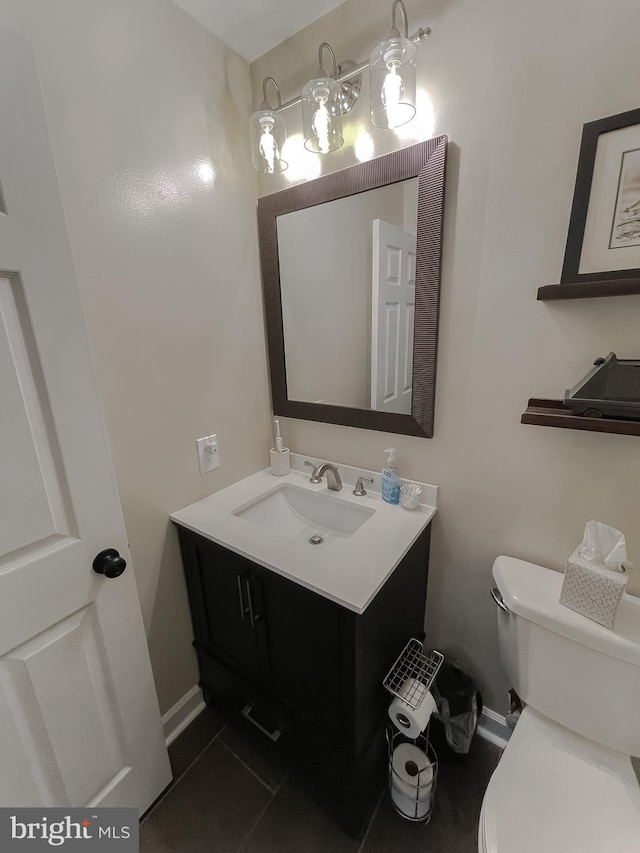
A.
pixel 326 257
pixel 392 316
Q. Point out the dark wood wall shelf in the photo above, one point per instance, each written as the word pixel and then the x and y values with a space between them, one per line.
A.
pixel 589 289
pixel 552 413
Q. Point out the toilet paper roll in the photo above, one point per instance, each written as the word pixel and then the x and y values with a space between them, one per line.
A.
pixel 408 807
pixel 412 721
pixel 412 691
pixel 411 780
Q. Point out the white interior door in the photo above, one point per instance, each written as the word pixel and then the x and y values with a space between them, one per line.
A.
pixel 393 309
pixel 79 719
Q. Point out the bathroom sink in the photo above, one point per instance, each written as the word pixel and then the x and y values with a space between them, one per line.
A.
pixel 272 520
pixel 305 515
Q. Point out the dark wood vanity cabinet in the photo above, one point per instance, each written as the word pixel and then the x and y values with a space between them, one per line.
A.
pixel 304 665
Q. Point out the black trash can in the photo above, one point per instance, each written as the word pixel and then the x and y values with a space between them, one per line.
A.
pixel 459 707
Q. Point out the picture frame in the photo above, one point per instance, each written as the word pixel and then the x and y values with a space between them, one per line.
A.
pixel 603 241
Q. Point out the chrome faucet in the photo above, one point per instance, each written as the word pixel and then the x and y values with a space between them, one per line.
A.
pixel 334 481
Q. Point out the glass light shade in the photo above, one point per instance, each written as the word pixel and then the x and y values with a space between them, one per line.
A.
pixel 268 136
pixel 322 115
pixel 393 82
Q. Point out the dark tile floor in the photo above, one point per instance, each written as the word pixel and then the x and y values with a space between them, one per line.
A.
pixel 232 791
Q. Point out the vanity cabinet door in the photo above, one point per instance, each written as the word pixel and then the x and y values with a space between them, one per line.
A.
pixel 224 606
pixel 303 637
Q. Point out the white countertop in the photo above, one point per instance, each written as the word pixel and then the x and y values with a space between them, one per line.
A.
pixel 347 571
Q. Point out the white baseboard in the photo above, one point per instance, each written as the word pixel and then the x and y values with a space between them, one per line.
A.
pixel 176 720
pixel 493 727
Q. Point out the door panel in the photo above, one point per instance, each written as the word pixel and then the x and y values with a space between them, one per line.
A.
pixel 303 637
pixel 35 507
pixel 225 578
pixel 79 718
pixel 393 309
pixel 65 660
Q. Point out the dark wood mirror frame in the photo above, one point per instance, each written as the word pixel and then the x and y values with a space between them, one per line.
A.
pixel 427 162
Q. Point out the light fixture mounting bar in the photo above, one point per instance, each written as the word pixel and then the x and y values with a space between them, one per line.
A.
pixel 418 37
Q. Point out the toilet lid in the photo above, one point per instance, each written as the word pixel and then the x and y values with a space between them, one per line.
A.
pixel 543 799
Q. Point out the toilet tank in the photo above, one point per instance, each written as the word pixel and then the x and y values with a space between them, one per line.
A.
pixel 573 670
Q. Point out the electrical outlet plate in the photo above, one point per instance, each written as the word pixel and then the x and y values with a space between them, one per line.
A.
pixel 208 454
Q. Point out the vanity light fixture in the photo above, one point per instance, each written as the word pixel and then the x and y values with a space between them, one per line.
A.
pixel 392 75
pixel 322 108
pixel 328 97
pixel 268 134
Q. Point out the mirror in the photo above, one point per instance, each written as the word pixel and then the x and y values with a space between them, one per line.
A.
pixel 351 275
pixel 358 253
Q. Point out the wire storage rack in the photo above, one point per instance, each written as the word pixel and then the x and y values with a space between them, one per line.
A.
pixel 413 673
pixel 413 773
pixel 413 763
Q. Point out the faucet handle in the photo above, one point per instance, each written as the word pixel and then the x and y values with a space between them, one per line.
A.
pixel 314 474
pixel 360 490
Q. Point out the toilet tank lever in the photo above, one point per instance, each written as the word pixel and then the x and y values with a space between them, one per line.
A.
pixel 499 600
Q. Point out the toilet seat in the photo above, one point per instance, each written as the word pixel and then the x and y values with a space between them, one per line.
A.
pixel 543 798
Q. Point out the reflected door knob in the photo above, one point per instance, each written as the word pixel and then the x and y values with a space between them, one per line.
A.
pixel 109 563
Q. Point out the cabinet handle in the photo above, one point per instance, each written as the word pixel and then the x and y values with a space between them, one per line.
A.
pixel 253 617
pixel 243 610
pixel 247 713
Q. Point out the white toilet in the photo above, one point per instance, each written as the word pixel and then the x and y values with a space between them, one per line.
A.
pixel 565 783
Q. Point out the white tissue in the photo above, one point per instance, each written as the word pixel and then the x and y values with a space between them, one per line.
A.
pixel 604 544
pixel 412 721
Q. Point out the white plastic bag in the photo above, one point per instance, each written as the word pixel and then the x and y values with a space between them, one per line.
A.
pixel 460 729
pixel 595 576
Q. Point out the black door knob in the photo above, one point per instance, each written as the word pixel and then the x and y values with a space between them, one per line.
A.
pixel 109 563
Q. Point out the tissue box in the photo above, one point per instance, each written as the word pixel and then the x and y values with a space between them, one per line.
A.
pixel 591 589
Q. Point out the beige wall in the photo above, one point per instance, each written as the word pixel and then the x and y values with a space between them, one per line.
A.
pixel 137 95
pixel 512 83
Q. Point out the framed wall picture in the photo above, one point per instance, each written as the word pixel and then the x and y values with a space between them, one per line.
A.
pixel 602 257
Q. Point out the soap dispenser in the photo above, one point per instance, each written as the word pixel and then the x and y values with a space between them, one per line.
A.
pixel 391 478
pixel 280 457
